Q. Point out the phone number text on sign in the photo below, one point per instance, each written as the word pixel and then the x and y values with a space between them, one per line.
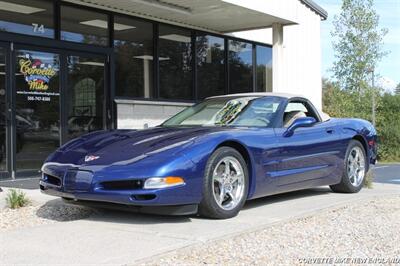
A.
pixel 36 96
pixel 39 98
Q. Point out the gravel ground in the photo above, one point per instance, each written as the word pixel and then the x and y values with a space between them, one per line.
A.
pixel 369 230
pixel 35 214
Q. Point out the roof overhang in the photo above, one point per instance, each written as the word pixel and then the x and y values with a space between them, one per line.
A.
pixel 316 8
pixel 219 16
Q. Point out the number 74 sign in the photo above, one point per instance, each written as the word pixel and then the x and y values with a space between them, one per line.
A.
pixel 38 28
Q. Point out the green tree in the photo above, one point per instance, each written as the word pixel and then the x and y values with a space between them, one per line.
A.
pixel 397 91
pixel 357 42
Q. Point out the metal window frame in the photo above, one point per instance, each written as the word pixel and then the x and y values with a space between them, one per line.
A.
pixel 8 111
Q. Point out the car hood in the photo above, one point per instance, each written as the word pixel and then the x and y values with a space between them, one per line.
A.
pixel 124 146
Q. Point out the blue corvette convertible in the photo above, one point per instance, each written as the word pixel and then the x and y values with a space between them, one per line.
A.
pixel 212 157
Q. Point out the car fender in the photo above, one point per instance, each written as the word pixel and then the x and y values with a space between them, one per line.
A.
pixel 203 148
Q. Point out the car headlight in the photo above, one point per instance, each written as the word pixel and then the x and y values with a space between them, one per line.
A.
pixel 163 182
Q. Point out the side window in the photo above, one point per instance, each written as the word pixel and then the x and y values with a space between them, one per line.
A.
pixel 297 109
pixel 260 113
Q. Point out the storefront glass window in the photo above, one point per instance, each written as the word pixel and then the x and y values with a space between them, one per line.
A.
pixel 134 57
pixel 85 102
pixel 3 155
pixel 84 26
pixel 175 63
pixel 31 17
pixel 210 66
pixel 264 68
pixel 240 58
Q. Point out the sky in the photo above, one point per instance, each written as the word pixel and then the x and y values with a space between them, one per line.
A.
pixel 389 12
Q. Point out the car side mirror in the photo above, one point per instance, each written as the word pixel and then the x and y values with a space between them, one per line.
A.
pixel 299 122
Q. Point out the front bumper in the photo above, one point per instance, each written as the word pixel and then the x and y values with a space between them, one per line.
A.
pixel 83 187
pixel 159 210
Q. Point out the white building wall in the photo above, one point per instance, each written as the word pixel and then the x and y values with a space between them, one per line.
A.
pixel 135 114
pixel 300 62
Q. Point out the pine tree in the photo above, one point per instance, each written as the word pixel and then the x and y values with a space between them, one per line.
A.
pixel 397 90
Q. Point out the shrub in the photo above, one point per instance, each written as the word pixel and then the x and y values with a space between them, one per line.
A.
pixel 344 103
pixel 16 199
pixel 388 127
pixel 369 179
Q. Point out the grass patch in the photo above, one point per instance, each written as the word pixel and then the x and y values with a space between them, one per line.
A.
pixel 369 179
pixel 16 199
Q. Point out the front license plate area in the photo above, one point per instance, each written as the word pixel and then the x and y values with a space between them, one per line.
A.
pixel 76 180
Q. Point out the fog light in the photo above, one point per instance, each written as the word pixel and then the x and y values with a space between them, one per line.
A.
pixel 163 182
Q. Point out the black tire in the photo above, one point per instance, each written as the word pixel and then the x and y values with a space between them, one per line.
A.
pixel 209 207
pixel 345 185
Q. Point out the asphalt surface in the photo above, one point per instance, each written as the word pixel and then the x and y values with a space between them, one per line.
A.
pixel 23 183
pixel 387 173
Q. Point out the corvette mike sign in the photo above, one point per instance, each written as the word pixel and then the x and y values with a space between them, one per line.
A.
pixel 37 75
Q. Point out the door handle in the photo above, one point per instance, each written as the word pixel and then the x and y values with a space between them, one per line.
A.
pixel 329 130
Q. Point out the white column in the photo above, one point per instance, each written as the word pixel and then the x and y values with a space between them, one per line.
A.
pixel 277 58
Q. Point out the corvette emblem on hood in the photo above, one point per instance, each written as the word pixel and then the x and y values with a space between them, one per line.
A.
pixel 89 158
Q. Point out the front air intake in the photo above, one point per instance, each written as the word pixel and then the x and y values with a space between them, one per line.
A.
pixel 144 197
pixel 51 179
pixel 122 185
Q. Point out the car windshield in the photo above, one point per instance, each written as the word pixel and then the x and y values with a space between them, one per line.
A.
pixel 229 111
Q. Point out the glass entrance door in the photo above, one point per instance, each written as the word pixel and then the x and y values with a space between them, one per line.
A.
pixel 37 108
pixel 46 99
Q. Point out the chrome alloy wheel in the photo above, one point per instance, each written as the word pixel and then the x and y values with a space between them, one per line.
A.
pixel 356 166
pixel 228 183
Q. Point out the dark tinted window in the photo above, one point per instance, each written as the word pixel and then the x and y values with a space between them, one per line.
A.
pixel 175 63
pixel 210 66
pixel 84 26
pixel 264 68
pixel 240 58
pixel 85 103
pixel 32 17
pixel 134 57
pixel 3 155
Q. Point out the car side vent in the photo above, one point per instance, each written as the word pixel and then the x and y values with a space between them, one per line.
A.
pixel 122 185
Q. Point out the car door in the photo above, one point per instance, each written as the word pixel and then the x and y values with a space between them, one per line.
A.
pixel 310 156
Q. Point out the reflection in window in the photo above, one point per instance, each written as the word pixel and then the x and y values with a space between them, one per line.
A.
pixel 264 68
pixel 3 157
pixel 85 97
pixel 240 58
pixel 210 66
pixel 134 57
pixel 78 25
pixel 229 111
pixel 85 102
pixel 31 17
pixel 175 63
